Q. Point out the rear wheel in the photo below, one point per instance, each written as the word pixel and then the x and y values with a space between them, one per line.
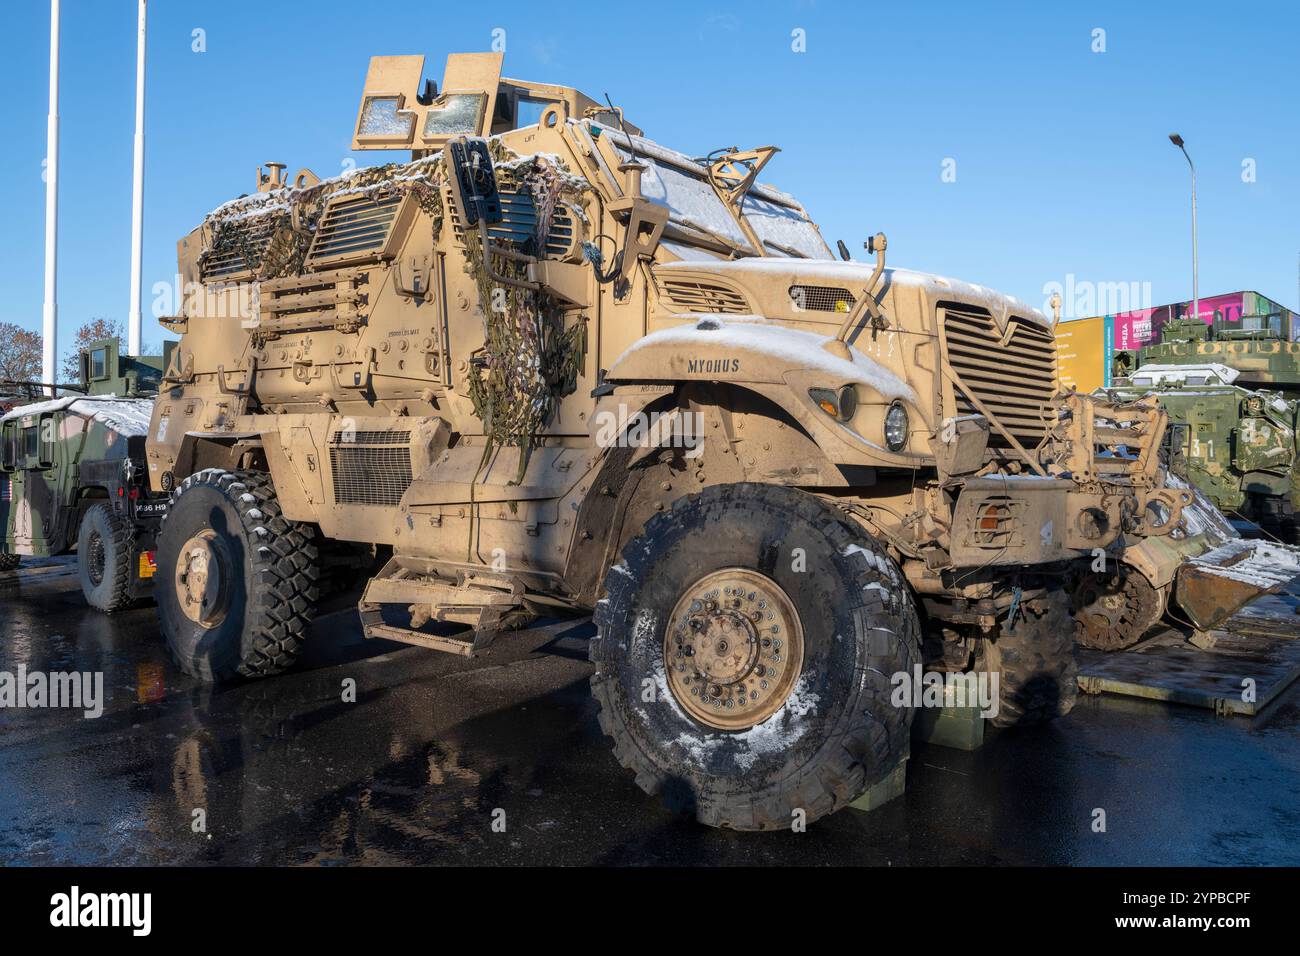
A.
pixel 9 561
pixel 237 582
pixel 104 559
pixel 744 657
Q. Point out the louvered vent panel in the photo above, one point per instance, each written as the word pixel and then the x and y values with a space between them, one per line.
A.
pixel 694 295
pixel 370 467
pixel 240 242
pixel 353 228
pixel 518 225
pixel 1013 379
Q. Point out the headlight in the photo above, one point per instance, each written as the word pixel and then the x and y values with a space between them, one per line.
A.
pixel 896 427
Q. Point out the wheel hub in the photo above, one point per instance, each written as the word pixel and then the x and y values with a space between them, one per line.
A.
pixel 95 560
pixel 202 578
pixel 733 649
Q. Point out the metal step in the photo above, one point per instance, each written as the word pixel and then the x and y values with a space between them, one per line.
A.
pixel 479 600
pixel 388 632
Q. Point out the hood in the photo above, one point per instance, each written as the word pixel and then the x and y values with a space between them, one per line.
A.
pixel 855 275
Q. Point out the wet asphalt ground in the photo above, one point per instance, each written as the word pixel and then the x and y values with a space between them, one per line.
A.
pixel 412 772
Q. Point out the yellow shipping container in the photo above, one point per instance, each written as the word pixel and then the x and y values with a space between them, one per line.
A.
pixel 1081 353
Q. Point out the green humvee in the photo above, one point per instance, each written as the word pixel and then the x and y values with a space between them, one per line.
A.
pixel 72 477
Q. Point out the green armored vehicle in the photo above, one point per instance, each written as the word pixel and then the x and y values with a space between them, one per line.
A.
pixel 72 477
pixel 1261 348
pixel 1233 439
pixel 1236 445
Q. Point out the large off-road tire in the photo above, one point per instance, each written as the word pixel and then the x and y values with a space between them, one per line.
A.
pixel 1113 610
pixel 104 554
pixel 237 582
pixel 9 561
pixel 1038 677
pixel 688 620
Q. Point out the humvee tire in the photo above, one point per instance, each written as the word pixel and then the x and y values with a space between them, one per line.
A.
pixel 1038 676
pixel 9 561
pixel 811 737
pixel 236 582
pixel 104 559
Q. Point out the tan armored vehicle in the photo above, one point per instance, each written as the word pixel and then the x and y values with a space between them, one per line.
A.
pixel 549 364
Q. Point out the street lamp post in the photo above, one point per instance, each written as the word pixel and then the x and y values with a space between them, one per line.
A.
pixel 1196 297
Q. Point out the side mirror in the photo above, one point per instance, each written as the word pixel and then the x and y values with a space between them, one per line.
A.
pixel 843 250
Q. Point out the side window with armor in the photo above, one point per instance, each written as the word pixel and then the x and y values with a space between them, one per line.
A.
pixel 38 443
pixel 9 447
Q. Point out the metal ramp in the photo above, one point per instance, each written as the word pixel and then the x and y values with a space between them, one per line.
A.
pixel 1239 668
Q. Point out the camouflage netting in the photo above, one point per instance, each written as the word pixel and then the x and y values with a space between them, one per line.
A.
pixel 529 360
pixel 291 215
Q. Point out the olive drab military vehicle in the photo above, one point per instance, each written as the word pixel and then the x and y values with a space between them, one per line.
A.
pixel 1236 445
pixel 1232 392
pixel 1261 348
pixel 550 363
pixel 72 477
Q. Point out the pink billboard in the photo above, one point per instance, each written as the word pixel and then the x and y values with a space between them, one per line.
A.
pixel 1136 329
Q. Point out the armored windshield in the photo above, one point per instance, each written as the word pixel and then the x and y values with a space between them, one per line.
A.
pixel 681 184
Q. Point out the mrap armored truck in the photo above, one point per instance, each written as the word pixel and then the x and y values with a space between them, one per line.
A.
pixel 550 363
pixel 72 478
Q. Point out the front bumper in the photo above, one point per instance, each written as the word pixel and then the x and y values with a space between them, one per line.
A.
pixel 1200 563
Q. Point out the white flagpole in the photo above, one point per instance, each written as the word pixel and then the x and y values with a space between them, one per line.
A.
pixel 137 197
pixel 50 341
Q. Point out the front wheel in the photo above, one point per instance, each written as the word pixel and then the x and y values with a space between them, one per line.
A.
pixel 744 657
pixel 9 561
pixel 1032 657
pixel 237 582
pixel 104 559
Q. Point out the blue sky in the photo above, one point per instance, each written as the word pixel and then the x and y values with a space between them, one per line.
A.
pixel 1061 157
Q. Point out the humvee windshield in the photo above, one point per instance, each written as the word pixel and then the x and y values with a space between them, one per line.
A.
pixel 676 181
